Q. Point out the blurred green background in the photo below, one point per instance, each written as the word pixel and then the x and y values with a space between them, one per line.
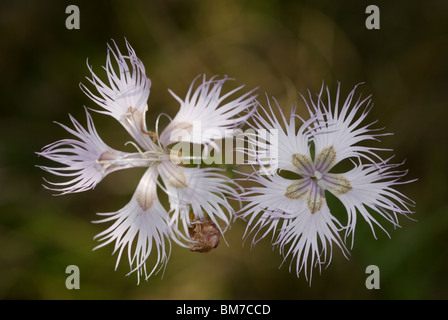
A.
pixel 282 47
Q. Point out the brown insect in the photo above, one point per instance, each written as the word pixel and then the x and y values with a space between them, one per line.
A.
pixel 205 235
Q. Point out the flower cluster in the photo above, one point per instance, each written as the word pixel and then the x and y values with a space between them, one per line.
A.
pixel 295 169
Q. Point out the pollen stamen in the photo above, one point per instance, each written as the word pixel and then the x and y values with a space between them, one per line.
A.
pixel 315 199
pixel 302 162
pixel 339 185
pixel 296 190
pixel 325 159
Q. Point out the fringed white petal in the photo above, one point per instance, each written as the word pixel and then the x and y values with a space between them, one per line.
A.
pixel 125 93
pixel 308 239
pixel 275 142
pixel 343 126
pixel 141 228
pixel 80 158
pixel 372 194
pixel 266 205
pixel 205 115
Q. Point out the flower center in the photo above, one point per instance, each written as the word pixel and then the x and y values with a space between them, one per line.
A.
pixel 320 182
pixel 318 175
pixel 307 189
pixel 317 179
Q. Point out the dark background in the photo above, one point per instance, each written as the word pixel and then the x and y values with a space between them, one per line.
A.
pixel 282 47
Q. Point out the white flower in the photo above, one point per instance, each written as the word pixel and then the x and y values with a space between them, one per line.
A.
pixel 292 200
pixel 197 196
